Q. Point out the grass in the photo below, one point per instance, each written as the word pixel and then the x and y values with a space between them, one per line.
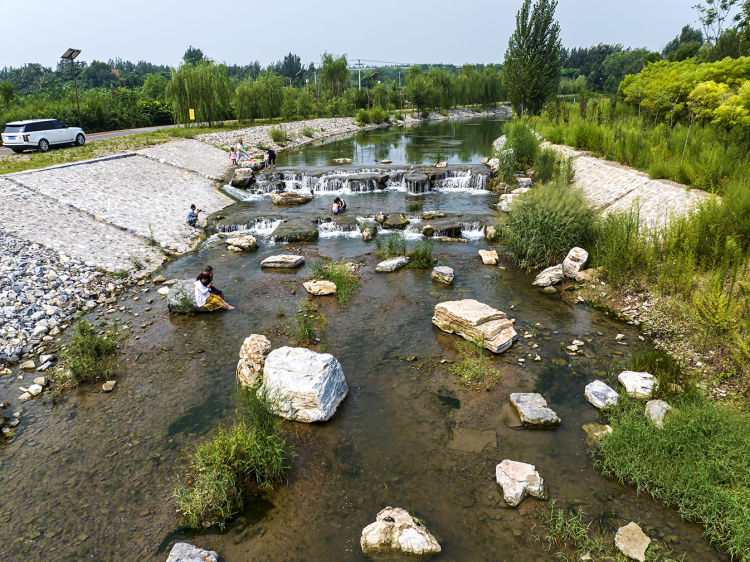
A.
pixel 253 451
pixel 337 273
pixel 90 354
pixel 415 207
pixel 309 323
pixel 394 245
pixel 473 365
pixel 308 131
pixel 420 255
pixel 278 134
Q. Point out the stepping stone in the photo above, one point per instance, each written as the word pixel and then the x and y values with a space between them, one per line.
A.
pixel 396 533
pixel 320 288
pixel 601 396
pixel 574 262
pixel 35 389
pixel 550 276
pixel 163 291
pixel 533 411
pixel 655 410
pixel 290 198
pixel 442 274
pixel 284 260
pixel 639 385
pixel 392 264
pixel 632 542
pixel 472 440
pixel 477 322
pixel 517 479
pixel 489 257
pixel 184 552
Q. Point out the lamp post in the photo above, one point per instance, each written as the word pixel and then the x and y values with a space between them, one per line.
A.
pixel 372 77
pixel 70 55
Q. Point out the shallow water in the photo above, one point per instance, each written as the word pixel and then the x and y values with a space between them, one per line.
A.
pixel 93 473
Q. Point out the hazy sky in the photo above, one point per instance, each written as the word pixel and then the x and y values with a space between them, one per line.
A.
pixel 403 31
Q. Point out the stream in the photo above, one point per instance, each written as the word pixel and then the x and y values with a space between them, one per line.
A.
pixel 90 476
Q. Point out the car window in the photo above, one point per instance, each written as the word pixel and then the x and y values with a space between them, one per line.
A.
pixel 57 124
pixel 10 129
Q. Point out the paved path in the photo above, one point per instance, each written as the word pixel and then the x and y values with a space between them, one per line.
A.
pixel 613 187
pixel 192 155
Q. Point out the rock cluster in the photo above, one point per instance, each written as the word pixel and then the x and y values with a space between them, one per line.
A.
pixel 477 322
pixel 570 268
pixel 253 355
pixel 395 532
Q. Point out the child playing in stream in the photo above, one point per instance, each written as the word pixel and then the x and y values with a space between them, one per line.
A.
pixel 233 157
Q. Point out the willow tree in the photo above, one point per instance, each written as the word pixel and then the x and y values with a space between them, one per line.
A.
pixel 334 74
pixel 204 87
pixel 531 71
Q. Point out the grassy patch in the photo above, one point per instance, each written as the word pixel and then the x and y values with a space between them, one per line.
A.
pixel 278 134
pixel 336 272
pixel 699 462
pixel 90 354
pixel 394 246
pixel 473 365
pixel 415 207
pixel 308 131
pixel 420 255
pixel 309 323
pixel 253 451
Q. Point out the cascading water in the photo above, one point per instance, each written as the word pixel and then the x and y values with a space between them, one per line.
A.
pixel 472 230
pixel 259 227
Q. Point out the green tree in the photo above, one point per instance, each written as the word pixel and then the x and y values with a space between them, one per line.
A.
pixel 245 105
pixel 155 87
pixel 380 97
pixel 531 72
pixel 268 94
pixel 193 55
pixel 7 94
pixel 334 74
pixel 305 104
pixel 289 107
pixel 730 114
pixel 418 89
pixel 204 87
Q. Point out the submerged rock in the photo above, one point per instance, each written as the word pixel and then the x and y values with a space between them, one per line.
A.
pixel 298 230
pixel 395 532
pixel 533 411
pixel 632 542
pixel 442 274
pixel 284 260
pixel 184 552
pixel 395 221
pixel 596 431
pixel 303 385
pixel 574 262
pixel 640 385
pixel 656 410
pixel 243 242
pixel 550 276
pixel 600 395
pixel 367 234
pixel 289 198
pixel 392 264
pixel 517 479
pixel 109 386
pixel 253 355
pixel 489 257
pixel 320 288
pixel 475 321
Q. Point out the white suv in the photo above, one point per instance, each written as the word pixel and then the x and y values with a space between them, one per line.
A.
pixel 41 134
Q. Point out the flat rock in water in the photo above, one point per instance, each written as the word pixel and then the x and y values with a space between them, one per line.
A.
pixel 574 262
pixel 550 276
pixel 284 260
pixel 517 479
pixel 442 274
pixel 489 257
pixel 244 242
pixel 632 542
pixel 392 264
pixel 475 321
pixel 427 215
pixel 35 389
pixel 253 355
pixel 184 552
pixel 320 288
pixel 655 410
pixel 303 385
pixel 600 395
pixel 533 411
pixel 596 431
pixel 289 198
pixel 395 221
pixel 472 440
pixel 297 230
pixel 640 385
pixel 28 365
pixel 25 396
pixel 395 532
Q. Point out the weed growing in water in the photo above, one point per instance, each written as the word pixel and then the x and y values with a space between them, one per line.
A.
pixel 420 256
pixel 281 311
pixel 415 207
pixel 338 274
pixel 90 354
pixel 391 246
pixel 473 366
pixel 308 321
pixel 150 240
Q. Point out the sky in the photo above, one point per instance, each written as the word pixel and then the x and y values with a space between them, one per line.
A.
pixel 403 31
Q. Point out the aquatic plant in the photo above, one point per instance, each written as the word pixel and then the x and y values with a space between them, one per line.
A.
pixel 420 255
pixel 337 273
pixel 309 320
pixel 415 207
pixel 473 365
pixel 391 246
pixel 281 311
pixel 89 355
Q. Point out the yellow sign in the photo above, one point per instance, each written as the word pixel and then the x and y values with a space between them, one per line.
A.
pixel 192 114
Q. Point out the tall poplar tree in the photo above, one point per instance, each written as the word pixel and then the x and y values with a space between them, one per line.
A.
pixel 531 72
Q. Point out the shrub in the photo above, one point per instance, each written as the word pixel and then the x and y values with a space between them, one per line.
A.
pixel 523 142
pixel 420 256
pixel 278 134
pixel 473 367
pixel 336 272
pixel 378 115
pixel 391 246
pixel 507 166
pixel 90 355
pixel 364 117
pixel 545 164
pixel 545 223
pixel 586 137
pixel 308 131
pixel 415 207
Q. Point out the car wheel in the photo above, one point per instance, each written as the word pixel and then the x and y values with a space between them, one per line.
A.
pixel 43 145
pixel 17 150
pixel 80 140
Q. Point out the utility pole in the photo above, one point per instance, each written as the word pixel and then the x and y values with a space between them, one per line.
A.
pixel 359 71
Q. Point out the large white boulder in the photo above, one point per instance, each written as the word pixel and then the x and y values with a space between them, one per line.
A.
pixel 184 552
pixel 533 411
pixel 392 264
pixel 182 293
pixel 518 479
pixel 476 322
pixel 442 274
pixel 600 395
pixel 253 355
pixel 574 262
pixel 632 542
pixel 241 242
pixel 489 257
pixel 550 276
pixel 656 410
pixel 395 532
pixel 640 385
pixel 303 385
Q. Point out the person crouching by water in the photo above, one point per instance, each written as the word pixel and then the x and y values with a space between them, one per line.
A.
pixel 338 206
pixel 204 297
pixel 192 216
pixel 210 272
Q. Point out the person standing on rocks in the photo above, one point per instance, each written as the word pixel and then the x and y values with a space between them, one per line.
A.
pixel 210 272
pixel 204 296
pixel 192 216
pixel 233 157
pixel 241 152
pixel 271 158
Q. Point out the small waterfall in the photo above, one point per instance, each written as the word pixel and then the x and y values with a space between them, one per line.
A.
pixel 259 227
pixel 473 230
pixel 461 180
pixel 241 194
pixel 332 229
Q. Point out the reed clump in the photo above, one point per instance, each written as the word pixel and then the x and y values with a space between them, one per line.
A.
pixel 339 274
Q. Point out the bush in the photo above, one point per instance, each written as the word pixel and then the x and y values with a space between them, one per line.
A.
pixel 378 115
pixel 336 272
pixel 277 134
pixel 545 223
pixel 391 246
pixel 420 256
pixel 364 117
pixel 308 131
pixel 545 164
pixel 523 142
pixel 415 207
pixel 507 166
pixel 90 355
